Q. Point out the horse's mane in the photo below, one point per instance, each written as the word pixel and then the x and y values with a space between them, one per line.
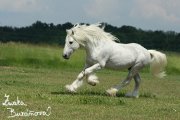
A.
pixel 91 32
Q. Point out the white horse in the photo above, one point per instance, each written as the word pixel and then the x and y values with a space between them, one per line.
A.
pixel 102 51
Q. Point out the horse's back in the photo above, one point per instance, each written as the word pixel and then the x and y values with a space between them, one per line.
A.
pixel 142 53
pixel 125 55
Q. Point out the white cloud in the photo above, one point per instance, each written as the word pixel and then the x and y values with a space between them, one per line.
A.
pixel 165 10
pixel 20 5
pixel 102 9
pixel 146 14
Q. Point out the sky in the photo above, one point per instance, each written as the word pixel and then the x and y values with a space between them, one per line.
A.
pixel 144 14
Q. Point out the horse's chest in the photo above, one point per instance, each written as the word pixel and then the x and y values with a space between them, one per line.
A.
pixel 92 59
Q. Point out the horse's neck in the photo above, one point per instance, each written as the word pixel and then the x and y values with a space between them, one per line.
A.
pixel 92 48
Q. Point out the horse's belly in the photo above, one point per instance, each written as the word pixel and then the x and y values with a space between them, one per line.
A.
pixel 119 64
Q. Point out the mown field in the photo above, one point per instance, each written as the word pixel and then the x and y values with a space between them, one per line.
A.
pixel 37 76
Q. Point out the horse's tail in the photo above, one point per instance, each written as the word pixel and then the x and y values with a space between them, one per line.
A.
pixel 158 63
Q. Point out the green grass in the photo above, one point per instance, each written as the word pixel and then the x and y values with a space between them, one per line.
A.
pixel 38 74
pixel 44 56
pixel 26 55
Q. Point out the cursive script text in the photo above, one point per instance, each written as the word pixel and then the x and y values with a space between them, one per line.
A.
pixel 16 102
pixel 29 113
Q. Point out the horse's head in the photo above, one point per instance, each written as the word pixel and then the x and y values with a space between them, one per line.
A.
pixel 70 44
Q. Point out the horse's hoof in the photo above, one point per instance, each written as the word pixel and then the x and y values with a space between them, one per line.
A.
pixel 70 89
pixel 93 80
pixel 132 95
pixel 92 83
pixel 112 92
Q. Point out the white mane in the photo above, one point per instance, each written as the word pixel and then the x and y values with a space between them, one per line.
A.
pixel 92 32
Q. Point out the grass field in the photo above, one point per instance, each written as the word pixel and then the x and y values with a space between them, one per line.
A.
pixel 38 74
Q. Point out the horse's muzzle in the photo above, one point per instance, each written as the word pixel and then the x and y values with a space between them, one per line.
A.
pixel 65 56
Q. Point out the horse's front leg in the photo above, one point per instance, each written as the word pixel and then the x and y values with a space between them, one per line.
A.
pixel 79 80
pixel 76 84
pixel 92 79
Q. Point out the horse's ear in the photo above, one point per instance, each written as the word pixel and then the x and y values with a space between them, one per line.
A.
pixel 76 25
pixel 69 32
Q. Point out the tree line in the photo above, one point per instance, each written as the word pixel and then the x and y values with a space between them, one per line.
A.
pixel 43 33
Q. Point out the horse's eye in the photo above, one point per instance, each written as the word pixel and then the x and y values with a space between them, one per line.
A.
pixel 70 42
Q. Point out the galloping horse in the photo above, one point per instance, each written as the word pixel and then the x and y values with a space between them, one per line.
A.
pixel 103 52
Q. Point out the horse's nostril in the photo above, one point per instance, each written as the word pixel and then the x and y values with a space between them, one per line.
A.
pixel 65 56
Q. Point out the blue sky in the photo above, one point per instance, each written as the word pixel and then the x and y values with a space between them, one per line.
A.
pixel 145 14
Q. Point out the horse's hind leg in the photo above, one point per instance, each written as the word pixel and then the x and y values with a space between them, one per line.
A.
pixel 112 91
pixel 135 93
pixel 132 72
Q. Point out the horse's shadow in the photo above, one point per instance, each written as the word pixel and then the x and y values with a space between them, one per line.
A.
pixel 89 93
pixel 104 94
